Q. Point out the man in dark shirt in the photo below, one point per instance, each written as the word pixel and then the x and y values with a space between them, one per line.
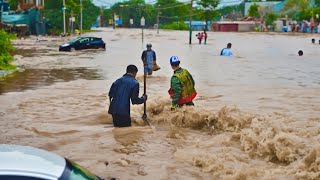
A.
pixel 121 91
pixel 148 58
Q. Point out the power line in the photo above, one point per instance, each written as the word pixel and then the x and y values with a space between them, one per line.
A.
pixel 176 17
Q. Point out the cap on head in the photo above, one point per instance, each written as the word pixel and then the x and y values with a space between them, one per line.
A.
pixel 174 60
pixel 149 45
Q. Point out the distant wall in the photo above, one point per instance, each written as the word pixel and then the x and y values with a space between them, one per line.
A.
pixel 228 27
pixel 246 27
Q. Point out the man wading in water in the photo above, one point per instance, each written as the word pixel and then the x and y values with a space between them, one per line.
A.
pixel 148 58
pixel 121 91
pixel 182 89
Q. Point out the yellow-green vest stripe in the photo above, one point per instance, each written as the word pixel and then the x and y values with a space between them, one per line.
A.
pixel 186 83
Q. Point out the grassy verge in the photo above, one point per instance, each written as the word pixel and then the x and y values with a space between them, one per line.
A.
pixel 175 26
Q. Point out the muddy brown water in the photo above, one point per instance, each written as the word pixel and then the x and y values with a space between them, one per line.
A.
pixel 256 116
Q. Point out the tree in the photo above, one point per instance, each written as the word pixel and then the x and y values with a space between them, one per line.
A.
pixel 209 8
pixel 13 4
pixel 54 13
pixel 306 14
pixel 232 12
pixel 296 5
pixel 254 10
pixel 270 18
pixel 172 10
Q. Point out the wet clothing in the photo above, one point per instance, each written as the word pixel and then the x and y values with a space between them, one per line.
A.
pixel 200 37
pixel 121 120
pixel 149 59
pixel 121 91
pixel 182 88
pixel 226 52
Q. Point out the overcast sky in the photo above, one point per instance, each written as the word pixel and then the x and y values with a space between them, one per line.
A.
pixel 110 2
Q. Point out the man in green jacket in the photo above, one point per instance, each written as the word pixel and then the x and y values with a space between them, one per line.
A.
pixel 182 89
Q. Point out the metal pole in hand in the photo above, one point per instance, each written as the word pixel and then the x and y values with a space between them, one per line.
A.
pixel 190 24
pixel 144 116
pixel 142 34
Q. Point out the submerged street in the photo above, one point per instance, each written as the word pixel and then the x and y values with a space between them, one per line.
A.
pixel 256 115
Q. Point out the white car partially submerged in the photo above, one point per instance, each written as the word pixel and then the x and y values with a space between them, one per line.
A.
pixel 28 163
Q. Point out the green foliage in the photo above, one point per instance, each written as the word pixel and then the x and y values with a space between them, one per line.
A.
pixel 227 10
pixel 13 4
pixel 292 7
pixel 296 5
pixel 254 10
pixel 178 11
pixel 176 26
pixel 270 18
pixel 54 13
pixel 5 49
pixel 208 8
pixel 306 14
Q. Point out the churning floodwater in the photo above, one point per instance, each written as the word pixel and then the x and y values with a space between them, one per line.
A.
pixel 256 116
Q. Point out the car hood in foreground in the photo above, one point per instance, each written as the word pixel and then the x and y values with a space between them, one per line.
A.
pixel 25 160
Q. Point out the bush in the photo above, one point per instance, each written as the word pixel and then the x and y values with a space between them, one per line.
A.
pixel 5 49
pixel 271 17
pixel 176 26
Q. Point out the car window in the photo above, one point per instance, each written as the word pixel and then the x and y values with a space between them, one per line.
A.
pixel 74 40
pixel 84 40
pixel 74 171
pixel 19 178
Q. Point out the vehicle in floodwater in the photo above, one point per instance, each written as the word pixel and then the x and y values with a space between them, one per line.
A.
pixel 83 43
pixel 29 163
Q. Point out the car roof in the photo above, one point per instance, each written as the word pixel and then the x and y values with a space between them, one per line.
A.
pixel 28 161
pixel 89 37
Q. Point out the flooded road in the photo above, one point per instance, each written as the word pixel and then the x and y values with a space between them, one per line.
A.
pixel 256 116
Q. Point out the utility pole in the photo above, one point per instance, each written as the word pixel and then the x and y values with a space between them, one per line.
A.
pixel 64 17
pixel 143 23
pixel 190 30
pixel 71 23
pixel 113 19
pixel 158 19
pixel 101 16
pixel 1 14
pixel 81 17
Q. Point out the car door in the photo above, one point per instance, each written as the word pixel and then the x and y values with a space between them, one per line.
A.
pixel 97 43
pixel 84 43
pixel 91 43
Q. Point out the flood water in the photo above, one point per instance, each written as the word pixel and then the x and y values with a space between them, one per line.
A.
pixel 256 115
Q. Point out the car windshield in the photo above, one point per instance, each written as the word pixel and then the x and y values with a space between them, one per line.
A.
pixel 74 40
pixel 74 171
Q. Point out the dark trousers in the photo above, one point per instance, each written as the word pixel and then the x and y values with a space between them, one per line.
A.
pixel 121 120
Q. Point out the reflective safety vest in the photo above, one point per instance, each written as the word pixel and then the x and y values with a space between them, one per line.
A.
pixel 188 92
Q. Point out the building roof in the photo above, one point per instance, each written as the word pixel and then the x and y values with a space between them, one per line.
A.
pixel 236 22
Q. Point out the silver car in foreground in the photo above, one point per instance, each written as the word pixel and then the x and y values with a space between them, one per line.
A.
pixel 28 163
